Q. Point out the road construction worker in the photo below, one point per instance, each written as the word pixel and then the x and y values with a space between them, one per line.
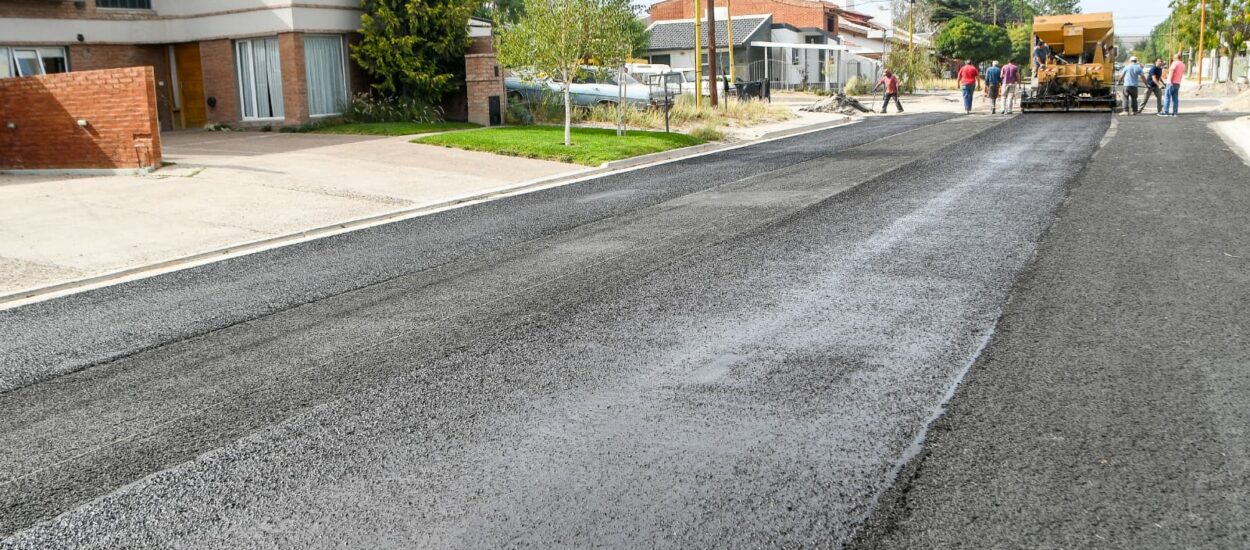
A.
pixel 968 83
pixel 1131 77
pixel 1172 99
pixel 1154 86
pixel 1011 85
pixel 993 83
pixel 891 91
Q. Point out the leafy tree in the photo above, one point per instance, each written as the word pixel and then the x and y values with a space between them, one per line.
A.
pixel 554 38
pixel 1056 7
pixel 501 11
pixel 910 65
pixel 1021 36
pixel 963 38
pixel 414 48
pixel 992 12
pixel 638 36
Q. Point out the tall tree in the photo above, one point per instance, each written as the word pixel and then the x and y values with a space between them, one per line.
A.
pixel 501 11
pixel 963 38
pixel 1056 7
pixel 414 48
pixel 555 37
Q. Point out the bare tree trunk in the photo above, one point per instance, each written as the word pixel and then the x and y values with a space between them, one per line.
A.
pixel 568 115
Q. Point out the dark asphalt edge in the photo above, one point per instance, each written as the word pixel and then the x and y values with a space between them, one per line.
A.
pixel 889 508
pixel 37 294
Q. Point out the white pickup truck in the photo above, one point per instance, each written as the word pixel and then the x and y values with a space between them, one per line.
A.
pixel 652 74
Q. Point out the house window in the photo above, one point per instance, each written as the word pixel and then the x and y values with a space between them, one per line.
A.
pixel 326 70
pixel 665 59
pixel 18 61
pixel 125 4
pixel 722 63
pixel 260 78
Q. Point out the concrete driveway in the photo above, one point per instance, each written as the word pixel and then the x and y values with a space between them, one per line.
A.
pixel 225 189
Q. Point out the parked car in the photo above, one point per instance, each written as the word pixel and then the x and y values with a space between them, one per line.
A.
pixel 590 88
pixel 683 78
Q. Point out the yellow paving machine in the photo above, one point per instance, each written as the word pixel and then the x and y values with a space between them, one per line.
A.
pixel 1073 59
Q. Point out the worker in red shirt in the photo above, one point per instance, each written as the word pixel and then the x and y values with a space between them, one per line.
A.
pixel 968 83
pixel 891 91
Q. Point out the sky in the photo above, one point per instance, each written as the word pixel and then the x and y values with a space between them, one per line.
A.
pixel 1132 17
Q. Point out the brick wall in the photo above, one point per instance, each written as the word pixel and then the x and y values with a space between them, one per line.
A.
pixel 483 78
pixel 294 78
pixel 91 57
pixel 217 65
pixel 800 13
pixel 65 9
pixel 39 120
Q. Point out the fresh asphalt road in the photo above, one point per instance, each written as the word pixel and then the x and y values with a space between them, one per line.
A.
pixel 738 349
pixel 1112 409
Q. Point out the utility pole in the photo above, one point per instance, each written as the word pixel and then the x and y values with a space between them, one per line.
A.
pixel 1202 35
pixel 729 20
pixel 698 58
pixel 711 52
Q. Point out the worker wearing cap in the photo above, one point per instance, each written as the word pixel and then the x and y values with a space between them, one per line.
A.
pixel 1131 78
pixel 993 83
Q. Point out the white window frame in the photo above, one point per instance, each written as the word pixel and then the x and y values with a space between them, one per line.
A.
pixel 343 65
pixel 9 57
pixel 251 71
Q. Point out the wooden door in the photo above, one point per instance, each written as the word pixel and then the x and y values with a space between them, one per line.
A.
pixel 191 85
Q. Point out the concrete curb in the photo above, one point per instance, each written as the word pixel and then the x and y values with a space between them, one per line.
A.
pixel 37 294
pixel 1237 141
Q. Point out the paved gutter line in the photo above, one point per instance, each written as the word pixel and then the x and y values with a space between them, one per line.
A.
pixel 39 294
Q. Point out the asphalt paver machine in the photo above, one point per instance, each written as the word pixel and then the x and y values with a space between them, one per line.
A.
pixel 1078 70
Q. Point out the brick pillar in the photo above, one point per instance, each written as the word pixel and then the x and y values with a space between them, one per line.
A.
pixel 294 78
pixel 483 80
pixel 217 68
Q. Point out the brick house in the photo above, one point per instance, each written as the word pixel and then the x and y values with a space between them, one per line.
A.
pixel 239 62
pixel 804 42
pixel 809 15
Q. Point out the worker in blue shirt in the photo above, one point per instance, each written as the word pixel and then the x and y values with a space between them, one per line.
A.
pixel 1131 77
pixel 993 83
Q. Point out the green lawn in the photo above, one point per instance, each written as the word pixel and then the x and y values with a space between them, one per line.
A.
pixel 591 146
pixel 392 128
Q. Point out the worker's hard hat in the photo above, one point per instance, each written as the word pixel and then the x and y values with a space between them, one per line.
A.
pixel 1133 59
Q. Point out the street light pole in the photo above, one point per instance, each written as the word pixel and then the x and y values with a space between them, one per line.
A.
pixel 1202 35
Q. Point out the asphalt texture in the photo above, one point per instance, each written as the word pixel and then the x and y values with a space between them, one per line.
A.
pixel 739 349
pixel 59 336
pixel 1112 409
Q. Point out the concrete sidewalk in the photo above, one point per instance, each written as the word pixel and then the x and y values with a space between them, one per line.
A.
pixel 228 189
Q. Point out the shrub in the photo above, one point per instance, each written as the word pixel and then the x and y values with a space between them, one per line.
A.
pixel 708 132
pixel 375 108
pixel 858 85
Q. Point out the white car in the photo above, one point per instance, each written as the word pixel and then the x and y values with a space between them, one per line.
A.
pixel 590 88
